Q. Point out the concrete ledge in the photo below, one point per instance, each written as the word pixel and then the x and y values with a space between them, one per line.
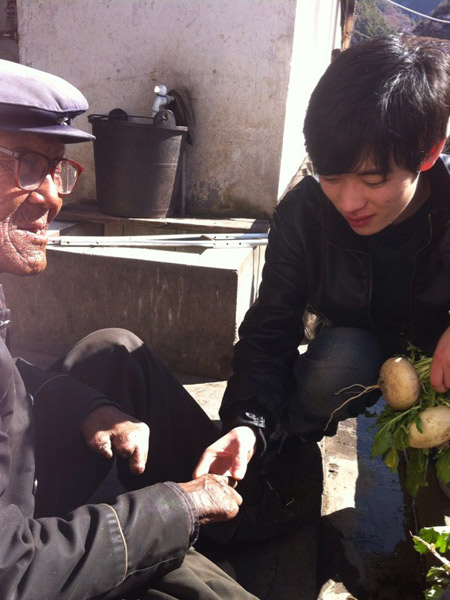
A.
pixel 187 306
pixel 111 225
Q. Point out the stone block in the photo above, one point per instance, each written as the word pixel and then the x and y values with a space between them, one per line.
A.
pixel 187 306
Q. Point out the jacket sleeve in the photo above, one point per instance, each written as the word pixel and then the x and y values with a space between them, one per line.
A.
pixel 272 330
pixel 145 533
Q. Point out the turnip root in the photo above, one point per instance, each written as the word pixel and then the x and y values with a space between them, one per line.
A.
pixel 399 383
pixel 435 428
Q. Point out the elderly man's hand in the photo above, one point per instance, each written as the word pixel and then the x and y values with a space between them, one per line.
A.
pixel 213 498
pixel 107 430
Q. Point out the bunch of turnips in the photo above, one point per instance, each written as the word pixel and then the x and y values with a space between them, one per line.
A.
pixel 416 419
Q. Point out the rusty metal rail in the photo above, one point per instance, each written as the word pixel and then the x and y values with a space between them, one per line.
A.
pixel 223 241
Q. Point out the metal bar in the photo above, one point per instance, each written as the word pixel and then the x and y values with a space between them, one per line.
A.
pixel 173 241
pixel 175 237
pixel 159 244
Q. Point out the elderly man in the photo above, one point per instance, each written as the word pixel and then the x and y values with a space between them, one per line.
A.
pixel 59 429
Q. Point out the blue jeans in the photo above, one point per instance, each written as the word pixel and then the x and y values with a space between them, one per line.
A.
pixel 337 359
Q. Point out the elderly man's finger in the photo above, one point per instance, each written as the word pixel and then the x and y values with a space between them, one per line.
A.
pixel 232 482
pixel 106 449
pixel 102 444
pixel 138 460
pixel 137 463
pixel 213 498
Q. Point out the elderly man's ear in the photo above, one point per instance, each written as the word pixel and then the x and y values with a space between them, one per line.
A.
pixel 432 155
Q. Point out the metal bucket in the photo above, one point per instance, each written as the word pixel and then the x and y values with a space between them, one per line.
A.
pixel 137 164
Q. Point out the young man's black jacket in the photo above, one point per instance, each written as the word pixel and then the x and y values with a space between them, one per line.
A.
pixel 316 263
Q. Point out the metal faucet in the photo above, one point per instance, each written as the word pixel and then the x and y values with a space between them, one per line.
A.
pixel 161 98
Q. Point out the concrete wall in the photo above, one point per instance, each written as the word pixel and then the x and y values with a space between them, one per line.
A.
pixel 234 56
pixel 186 306
pixel 317 30
pixel 9 48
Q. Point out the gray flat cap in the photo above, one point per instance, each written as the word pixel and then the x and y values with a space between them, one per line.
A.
pixel 33 101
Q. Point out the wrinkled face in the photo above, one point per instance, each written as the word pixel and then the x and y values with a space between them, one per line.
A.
pixel 370 201
pixel 24 216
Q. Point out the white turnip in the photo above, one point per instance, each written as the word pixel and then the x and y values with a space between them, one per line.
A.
pixel 435 425
pixel 399 383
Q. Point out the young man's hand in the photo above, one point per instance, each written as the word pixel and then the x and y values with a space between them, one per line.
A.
pixel 107 430
pixel 213 498
pixel 440 365
pixel 229 455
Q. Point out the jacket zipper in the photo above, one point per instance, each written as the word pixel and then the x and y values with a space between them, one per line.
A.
pixel 370 287
pixel 413 278
pixel 369 304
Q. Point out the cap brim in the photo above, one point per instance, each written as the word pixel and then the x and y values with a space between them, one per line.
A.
pixel 67 133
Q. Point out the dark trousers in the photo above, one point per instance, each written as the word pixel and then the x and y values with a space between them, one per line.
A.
pixel 325 377
pixel 117 363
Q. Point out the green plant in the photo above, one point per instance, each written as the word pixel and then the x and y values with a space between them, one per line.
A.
pixel 392 431
pixel 436 541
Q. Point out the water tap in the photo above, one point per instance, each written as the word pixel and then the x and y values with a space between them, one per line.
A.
pixel 161 98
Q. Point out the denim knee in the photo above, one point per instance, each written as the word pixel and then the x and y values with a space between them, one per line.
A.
pixel 326 376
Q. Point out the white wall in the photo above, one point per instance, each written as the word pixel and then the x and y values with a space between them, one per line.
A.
pixel 233 55
pixel 317 32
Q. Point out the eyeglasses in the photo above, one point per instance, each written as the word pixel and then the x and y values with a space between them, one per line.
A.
pixel 32 168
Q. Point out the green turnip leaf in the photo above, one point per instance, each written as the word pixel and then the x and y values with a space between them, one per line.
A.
pixel 391 459
pixel 382 441
pixel 417 470
pixel 443 465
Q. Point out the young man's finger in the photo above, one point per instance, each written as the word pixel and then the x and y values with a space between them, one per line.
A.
pixel 203 464
pixel 239 467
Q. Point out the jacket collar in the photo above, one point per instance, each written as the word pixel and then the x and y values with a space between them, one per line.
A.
pixel 439 201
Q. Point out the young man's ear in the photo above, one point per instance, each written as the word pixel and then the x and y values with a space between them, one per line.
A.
pixel 432 156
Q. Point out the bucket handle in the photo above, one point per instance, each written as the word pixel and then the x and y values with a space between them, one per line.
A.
pixel 117 114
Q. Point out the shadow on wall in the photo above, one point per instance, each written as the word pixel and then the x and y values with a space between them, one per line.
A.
pixel 212 201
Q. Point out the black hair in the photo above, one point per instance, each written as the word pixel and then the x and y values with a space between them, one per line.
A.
pixel 387 97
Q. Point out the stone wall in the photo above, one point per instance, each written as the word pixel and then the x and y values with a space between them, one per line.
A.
pixel 249 66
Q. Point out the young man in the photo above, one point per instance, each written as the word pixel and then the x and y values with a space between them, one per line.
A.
pixel 60 429
pixel 362 250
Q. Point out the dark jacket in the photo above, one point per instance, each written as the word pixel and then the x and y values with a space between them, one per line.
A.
pixel 316 263
pixel 143 534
